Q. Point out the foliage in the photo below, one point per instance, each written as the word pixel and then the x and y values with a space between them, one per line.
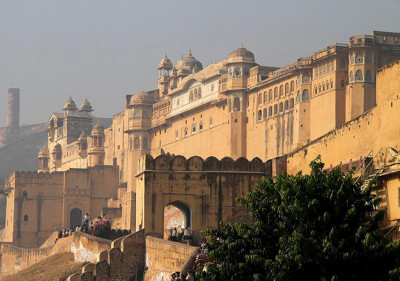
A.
pixel 305 227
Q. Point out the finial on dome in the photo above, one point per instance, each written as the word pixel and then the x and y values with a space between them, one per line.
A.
pixel 190 52
pixel 181 56
pixel 166 55
pixel 241 46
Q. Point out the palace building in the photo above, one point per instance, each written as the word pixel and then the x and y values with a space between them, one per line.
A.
pixel 233 108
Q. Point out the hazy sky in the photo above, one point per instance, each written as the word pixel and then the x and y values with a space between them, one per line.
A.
pixel 104 50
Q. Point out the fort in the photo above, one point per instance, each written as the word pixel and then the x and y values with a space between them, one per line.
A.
pixel 203 138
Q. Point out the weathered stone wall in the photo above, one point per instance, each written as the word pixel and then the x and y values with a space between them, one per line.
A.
pixel 164 257
pixel 123 261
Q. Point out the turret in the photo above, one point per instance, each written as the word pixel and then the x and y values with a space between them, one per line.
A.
pixel 96 148
pixel 56 155
pixel 70 106
pixel 86 108
pixel 163 80
pixel 43 158
pixel 82 145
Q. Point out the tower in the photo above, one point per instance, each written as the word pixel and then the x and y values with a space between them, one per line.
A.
pixel 163 80
pixel 13 108
pixel 96 148
pixel 43 158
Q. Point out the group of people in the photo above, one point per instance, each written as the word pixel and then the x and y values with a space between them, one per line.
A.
pixel 176 276
pixel 183 235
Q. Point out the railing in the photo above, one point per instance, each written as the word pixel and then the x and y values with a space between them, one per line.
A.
pixel 368 166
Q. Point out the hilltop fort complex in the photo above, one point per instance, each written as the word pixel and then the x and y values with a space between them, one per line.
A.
pixel 204 137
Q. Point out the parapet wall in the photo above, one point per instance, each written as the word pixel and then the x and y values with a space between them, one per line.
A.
pixel 123 261
pixel 11 135
pixel 164 257
pixel 178 163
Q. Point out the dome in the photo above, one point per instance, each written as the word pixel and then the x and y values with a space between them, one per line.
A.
pixel 189 63
pixel 86 106
pixel 98 129
pixel 70 105
pixel 242 54
pixel 141 97
pixel 44 152
pixel 165 64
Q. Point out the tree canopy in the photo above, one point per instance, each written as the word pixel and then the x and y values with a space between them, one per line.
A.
pixel 305 227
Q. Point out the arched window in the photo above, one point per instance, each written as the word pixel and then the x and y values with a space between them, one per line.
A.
pixel 136 143
pixel 342 63
pixel 292 86
pixel 237 72
pixel 291 102
pixel 368 57
pixel 280 107
pixel 368 76
pixel 281 90
pixel 275 109
pixel 190 96
pixel 145 143
pixel 359 57
pixel 201 126
pixel 24 194
pixel 26 218
pixel 270 95
pixel 276 93
pixel 259 115
pixel 286 88
pixel 286 105
pixel 193 129
pixel 323 86
pixel 342 83
pixel 199 93
pixel 319 88
pixel 195 94
pixel 298 97
pixel 305 96
pixel 331 84
pixel 359 75
pixel 185 131
pixel 236 104
pixel 270 111
pixel 259 98
pixel 265 97
pixel 264 113
pixel 315 90
pixel 305 78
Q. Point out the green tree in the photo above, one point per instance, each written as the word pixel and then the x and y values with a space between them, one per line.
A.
pixel 305 227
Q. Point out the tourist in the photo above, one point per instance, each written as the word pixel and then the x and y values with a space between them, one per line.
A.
pixel 91 228
pixel 173 276
pixel 77 228
pixel 189 276
pixel 85 225
pixel 187 235
pixel 180 234
pixel 177 276
pixel 173 235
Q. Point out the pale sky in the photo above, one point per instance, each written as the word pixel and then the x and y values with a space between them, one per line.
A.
pixel 105 49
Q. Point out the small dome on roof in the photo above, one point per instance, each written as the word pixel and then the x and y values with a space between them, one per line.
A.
pixel 189 63
pixel 165 63
pixel 98 129
pixel 141 97
pixel 86 106
pixel 242 53
pixel 70 105
pixel 44 152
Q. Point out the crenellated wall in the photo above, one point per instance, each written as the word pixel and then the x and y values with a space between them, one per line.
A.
pixel 164 257
pixel 123 261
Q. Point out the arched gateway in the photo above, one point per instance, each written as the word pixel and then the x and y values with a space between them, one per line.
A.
pixel 75 217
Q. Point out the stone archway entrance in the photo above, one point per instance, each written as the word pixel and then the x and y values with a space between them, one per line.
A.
pixel 176 214
pixel 75 217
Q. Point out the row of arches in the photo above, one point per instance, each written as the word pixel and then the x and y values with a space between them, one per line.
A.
pixel 194 94
pixel 276 93
pixel 361 58
pixel 305 96
pixel 324 86
pixel 324 68
pixel 273 111
pixel 138 142
pixel 359 77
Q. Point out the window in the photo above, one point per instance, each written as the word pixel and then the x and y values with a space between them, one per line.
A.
pixel 193 129
pixel 351 78
pixel 291 102
pixel 211 122
pixel 190 96
pixel 331 84
pixel 305 96
pixel 292 86
pixel 298 97
pixel 186 131
pixel 236 104
pixel 359 57
pixel 25 194
pixel 265 97
pixel 359 76
pixel 199 93
pixel 136 143
pixel 259 99
pixel 342 83
pixel 275 109
pixel 342 63
pixel 270 111
pixel 368 58
pixel 315 90
pixel 286 88
pixel 201 126
pixel 305 78
pixel 264 113
pixel 26 218
pixel 280 107
pixel 286 105
pixel 176 134
pixel 270 95
pixel 281 90
pixel 145 143
pixel 276 93
pixel 259 114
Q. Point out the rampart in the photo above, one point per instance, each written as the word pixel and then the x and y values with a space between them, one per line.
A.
pixel 164 257
pixel 10 135
pixel 124 261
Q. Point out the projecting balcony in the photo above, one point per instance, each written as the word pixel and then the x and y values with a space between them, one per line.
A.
pixel 233 83
pixel 138 124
